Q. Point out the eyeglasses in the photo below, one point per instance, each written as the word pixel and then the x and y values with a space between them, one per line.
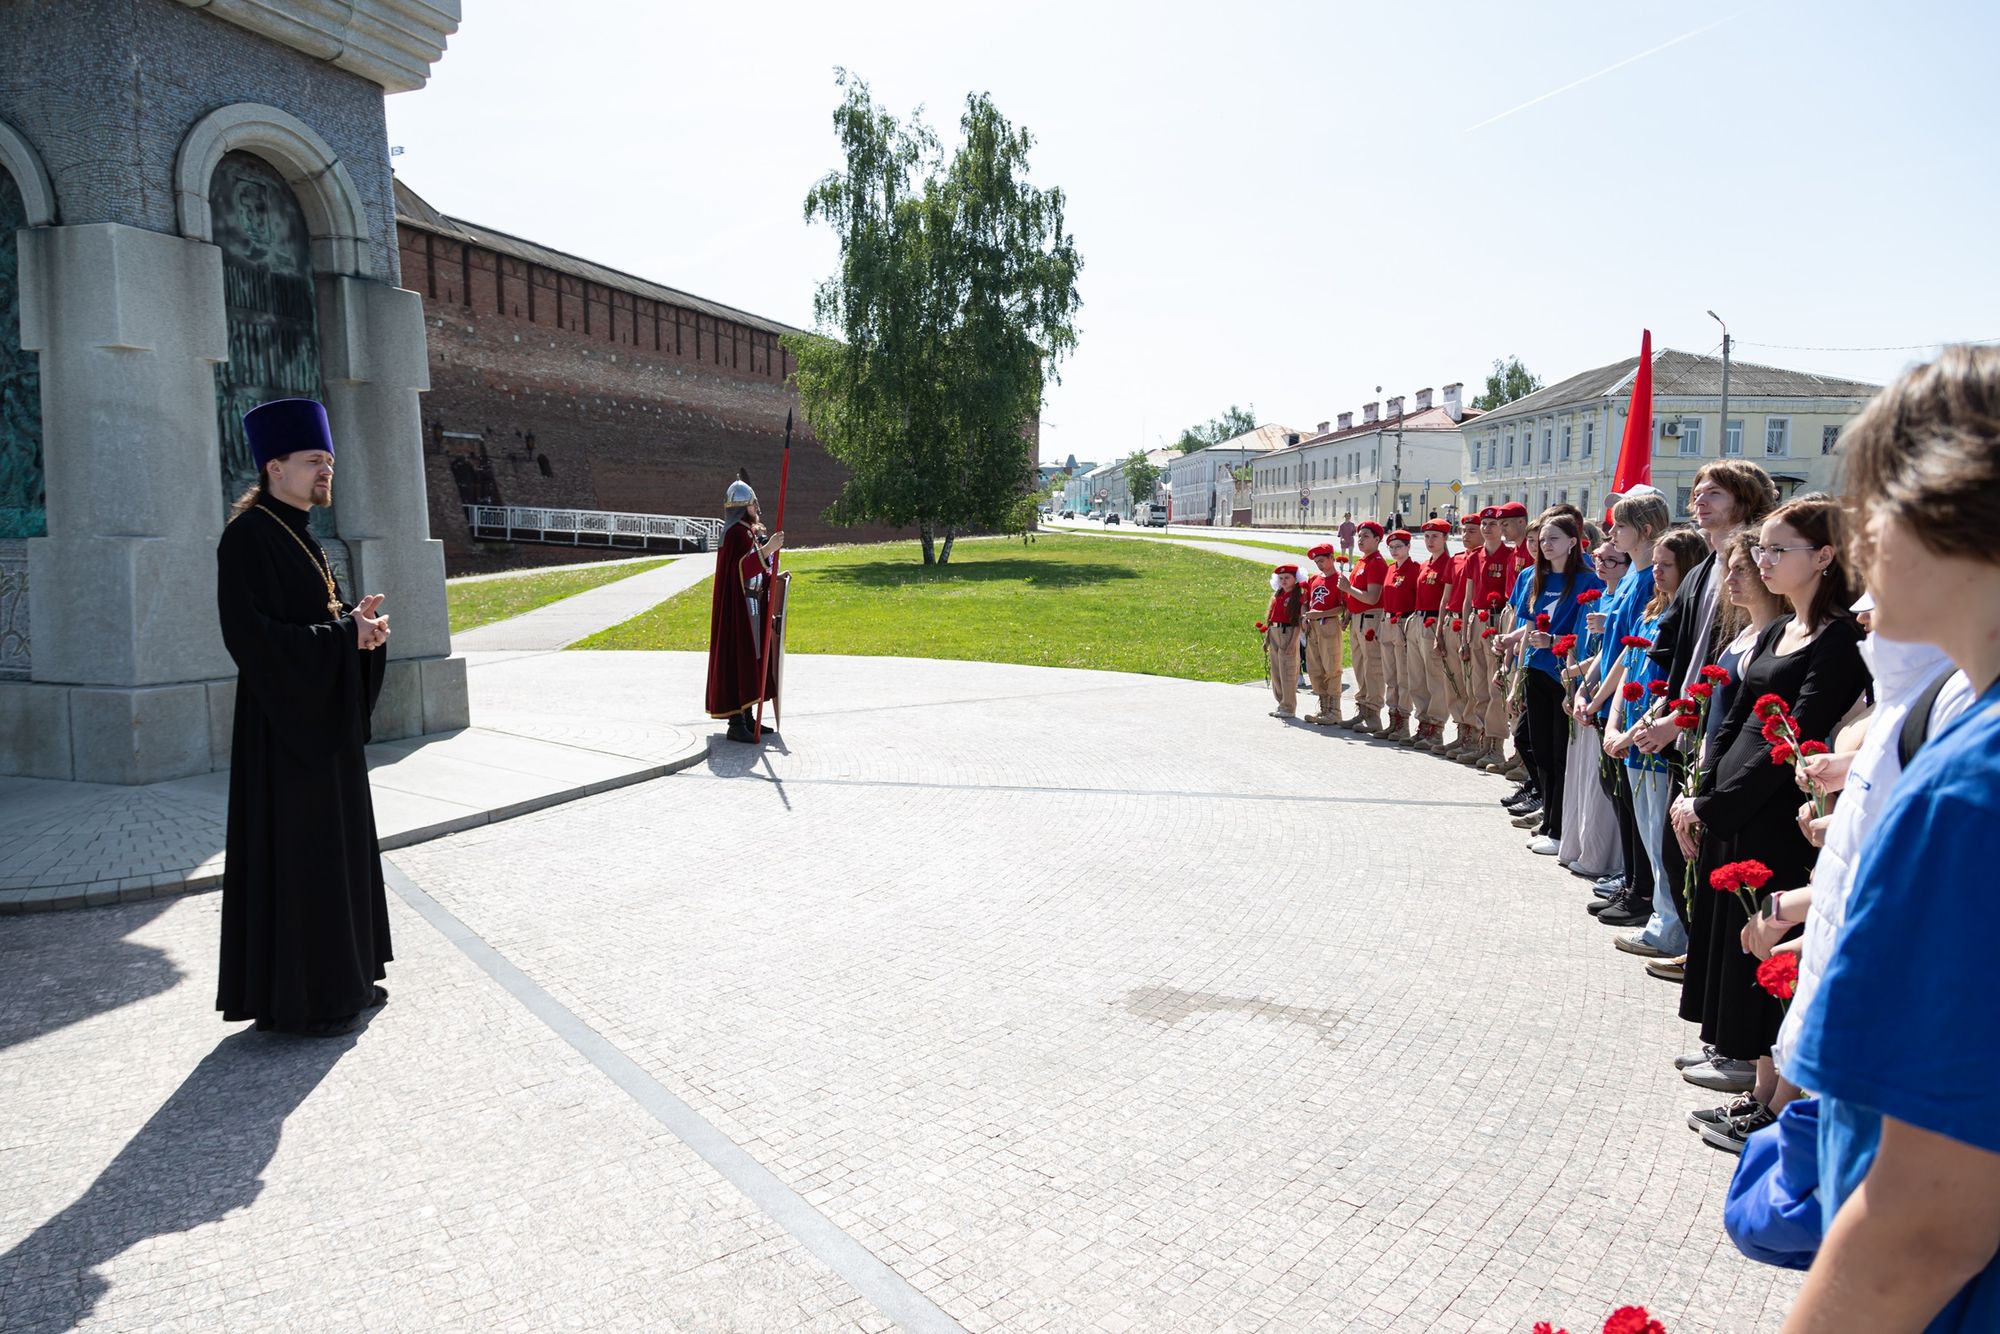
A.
pixel 1776 554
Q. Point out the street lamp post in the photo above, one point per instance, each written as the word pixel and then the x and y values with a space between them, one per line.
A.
pixel 1722 436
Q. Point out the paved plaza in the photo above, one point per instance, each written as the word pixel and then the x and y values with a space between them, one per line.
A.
pixel 988 997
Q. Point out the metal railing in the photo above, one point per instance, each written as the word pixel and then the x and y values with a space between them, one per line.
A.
pixel 579 528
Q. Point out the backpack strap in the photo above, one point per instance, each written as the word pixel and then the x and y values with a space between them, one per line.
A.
pixel 1917 723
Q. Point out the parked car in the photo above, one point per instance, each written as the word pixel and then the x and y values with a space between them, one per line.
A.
pixel 1111 518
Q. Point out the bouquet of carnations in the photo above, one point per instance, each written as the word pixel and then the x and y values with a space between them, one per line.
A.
pixel 1624 1320
pixel 1782 731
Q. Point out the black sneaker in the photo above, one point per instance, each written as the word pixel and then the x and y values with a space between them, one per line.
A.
pixel 1518 796
pixel 1728 1135
pixel 1628 909
pixel 1701 1120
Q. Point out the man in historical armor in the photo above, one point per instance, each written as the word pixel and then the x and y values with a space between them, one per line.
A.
pixel 305 924
pixel 744 564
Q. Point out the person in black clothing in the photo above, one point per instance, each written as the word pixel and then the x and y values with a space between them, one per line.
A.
pixel 305 924
pixel 1729 495
pixel 1747 807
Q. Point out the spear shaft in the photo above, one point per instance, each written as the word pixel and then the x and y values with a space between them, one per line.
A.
pixel 771 586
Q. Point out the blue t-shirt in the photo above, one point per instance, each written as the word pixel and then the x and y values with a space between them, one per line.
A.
pixel 1558 599
pixel 1906 1022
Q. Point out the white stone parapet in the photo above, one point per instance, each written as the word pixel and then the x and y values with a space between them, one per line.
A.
pixel 393 42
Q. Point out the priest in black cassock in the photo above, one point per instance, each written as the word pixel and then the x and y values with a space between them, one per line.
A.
pixel 305 924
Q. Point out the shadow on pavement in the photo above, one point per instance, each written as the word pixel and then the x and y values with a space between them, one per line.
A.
pixel 62 968
pixel 201 1156
pixel 899 573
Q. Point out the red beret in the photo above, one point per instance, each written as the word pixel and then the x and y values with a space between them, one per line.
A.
pixel 1491 512
pixel 1436 526
pixel 1323 549
pixel 1285 569
pixel 1401 535
pixel 1369 526
pixel 1513 509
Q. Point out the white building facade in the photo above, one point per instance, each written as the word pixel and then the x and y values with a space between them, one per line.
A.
pixel 1560 444
pixel 1203 482
pixel 1394 468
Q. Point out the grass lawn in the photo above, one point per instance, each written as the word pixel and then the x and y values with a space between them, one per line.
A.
pixel 486 600
pixel 1152 607
pixel 1226 535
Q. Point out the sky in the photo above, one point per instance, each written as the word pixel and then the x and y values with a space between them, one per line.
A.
pixel 1286 205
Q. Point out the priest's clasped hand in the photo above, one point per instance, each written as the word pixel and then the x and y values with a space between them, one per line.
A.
pixel 370 630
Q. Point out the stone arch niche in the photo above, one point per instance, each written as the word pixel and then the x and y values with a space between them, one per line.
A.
pixel 23 500
pixel 268 300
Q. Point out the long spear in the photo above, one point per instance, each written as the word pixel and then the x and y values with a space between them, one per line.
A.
pixel 771 586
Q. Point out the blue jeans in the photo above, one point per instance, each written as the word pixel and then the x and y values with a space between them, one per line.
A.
pixel 1651 793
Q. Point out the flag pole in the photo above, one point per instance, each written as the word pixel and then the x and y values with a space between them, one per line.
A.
pixel 771 586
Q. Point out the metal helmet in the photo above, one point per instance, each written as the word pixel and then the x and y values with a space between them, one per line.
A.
pixel 739 493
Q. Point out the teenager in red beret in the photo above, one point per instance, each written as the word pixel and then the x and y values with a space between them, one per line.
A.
pixel 1325 618
pixel 1363 590
pixel 1399 601
pixel 1281 639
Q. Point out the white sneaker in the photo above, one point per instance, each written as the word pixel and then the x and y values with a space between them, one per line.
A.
pixel 1544 846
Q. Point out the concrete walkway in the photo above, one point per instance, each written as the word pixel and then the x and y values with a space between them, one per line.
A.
pixel 989 998
pixel 561 624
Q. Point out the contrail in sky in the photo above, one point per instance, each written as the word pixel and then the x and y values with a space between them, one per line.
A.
pixel 1578 83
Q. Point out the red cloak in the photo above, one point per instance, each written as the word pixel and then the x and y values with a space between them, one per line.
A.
pixel 735 620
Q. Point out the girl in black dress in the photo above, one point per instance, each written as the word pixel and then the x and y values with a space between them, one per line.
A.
pixel 1747 804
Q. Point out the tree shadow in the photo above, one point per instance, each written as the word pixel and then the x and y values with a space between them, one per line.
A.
pixel 58 969
pixel 200 1157
pixel 879 574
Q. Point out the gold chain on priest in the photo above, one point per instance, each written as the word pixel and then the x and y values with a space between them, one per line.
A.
pixel 318 562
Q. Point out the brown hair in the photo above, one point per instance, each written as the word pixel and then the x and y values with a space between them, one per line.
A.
pixel 1688 548
pixel 1731 619
pixel 1926 452
pixel 1649 514
pixel 258 490
pixel 1755 494
pixel 1818 521
pixel 1568 523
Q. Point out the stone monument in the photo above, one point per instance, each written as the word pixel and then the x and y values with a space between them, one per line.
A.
pixel 196 214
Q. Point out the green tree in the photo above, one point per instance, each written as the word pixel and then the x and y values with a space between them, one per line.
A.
pixel 1232 423
pixel 951 309
pixel 1510 380
pixel 1142 476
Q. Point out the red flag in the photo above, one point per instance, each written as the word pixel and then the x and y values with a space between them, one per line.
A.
pixel 1635 453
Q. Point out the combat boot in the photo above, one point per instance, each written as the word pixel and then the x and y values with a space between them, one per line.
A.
pixel 1398 729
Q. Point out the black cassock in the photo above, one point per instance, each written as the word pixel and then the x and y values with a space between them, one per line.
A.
pixel 305 924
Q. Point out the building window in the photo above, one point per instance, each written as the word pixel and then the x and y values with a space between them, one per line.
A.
pixel 1777 437
pixel 1562 496
pixel 1682 495
pixel 1510 451
pixel 1829 436
pixel 1475 455
pixel 1732 439
pixel 1583 500
pixel 1691 437
pixel 1374 461
pixel 1548 445
pixel 1568 431
pixel 1589 436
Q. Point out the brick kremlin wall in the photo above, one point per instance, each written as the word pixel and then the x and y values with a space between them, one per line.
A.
pixel 556 382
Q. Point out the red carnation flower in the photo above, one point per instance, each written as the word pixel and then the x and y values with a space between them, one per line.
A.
pixel 1562 647
pixel 1482 618
pixel 1488 633
pixel 1495 601
pixel 1632 1320
pixel 1727 877
pixel 1774 730
pixel 1769 706
pixel 1430 621
pixel 1779 975
pixel 1702 689
pixel 1588 596
pixel 1719 675
pixel 1660 689
pixel 1542 621
pixel 1632 691
pixel 1781 753
pixel 1457 623
pixel 1809 748
pixel 1687 722
pixel 1261 627
pixel 1754 874
pixel 1544 1327
pixel 1634 641
pixel 1368 635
